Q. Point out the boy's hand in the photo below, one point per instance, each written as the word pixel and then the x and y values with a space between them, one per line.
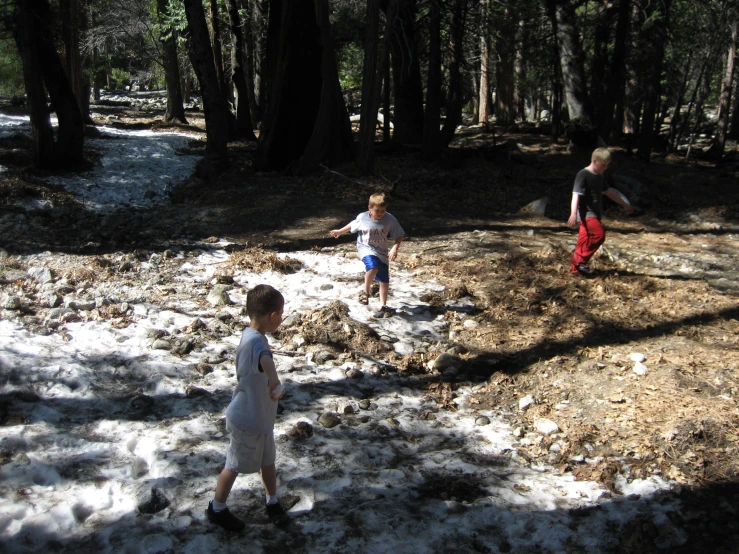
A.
pixel 336 233
pixel 276 390
pixel 572 222
pixel 393 253
pixel 629 209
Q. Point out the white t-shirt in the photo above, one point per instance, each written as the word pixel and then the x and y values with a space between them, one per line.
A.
pixel 251 409
pixel 372 235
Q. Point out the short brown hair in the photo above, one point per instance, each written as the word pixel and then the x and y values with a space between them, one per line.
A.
pixel 601 154
pixel 378 199
pixel 263 300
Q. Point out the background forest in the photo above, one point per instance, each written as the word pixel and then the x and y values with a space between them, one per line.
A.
pixel 650 74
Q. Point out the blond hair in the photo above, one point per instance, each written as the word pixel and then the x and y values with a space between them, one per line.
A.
pixel 378 200
pixel 601 155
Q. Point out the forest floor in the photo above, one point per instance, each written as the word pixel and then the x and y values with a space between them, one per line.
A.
pixel 666 286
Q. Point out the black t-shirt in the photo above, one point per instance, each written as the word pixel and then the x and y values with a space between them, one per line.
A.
pixel 590 186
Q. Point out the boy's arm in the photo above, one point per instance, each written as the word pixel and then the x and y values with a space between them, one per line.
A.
pixel 619 198
pixel 336 233
pixel 268 365
pixel 572 221
pixel 394 250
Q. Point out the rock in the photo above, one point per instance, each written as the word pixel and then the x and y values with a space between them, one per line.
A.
pixel 125 266
pixel 58 313
pixel 537 207
pixel 326 286
pixel 525 402
pixel 151 500
pixel 518 432
pixel 637 357
pixel 329 420
pixel 555 448
pixel 640 368
pixel 301 430
pixel 365 403
pixel 545 426
pixel 290 321
pixel 323 356
pixel 80 305
pixel 470 324
pixel 193 392
pixel 182 347
pixel 354 373
pixel 218 296
pixel 445 363
pixel 11 275
pixel 41 274
pixel 160 344
pixel 204 369
pixel 10 302
pixel 349 409
pixel 482 420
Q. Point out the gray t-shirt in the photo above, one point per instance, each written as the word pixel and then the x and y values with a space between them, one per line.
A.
pixel 590 186
pixel 372 236
pixel 251 409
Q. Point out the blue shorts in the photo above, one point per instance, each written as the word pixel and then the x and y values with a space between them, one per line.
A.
pixel 373 262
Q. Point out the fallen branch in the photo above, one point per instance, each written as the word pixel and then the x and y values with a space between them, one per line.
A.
pixel 339 174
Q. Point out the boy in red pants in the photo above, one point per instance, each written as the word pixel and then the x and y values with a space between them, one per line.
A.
pixel 587 208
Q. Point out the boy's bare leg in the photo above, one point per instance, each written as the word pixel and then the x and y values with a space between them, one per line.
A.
pixel 225 483
pixel 384 288
pixel 269 479
pixel 369 276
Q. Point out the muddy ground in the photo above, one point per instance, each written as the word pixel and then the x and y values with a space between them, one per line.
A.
pixel 666 286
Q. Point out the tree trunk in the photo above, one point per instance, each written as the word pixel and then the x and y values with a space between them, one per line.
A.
pixel 615 86
pixel 383 77
pixel 217 49
pixel 456 46
pixel 571 57
pixel 175 106
pixel 656 36
pixel 505 99
pixel 249 69
pixel 368 116
pixel 244 128
pixel 70 18
pixel 484 108
pixel 734 129
pixel 408 120
pixel 432 117
pixel 724 103
pixel 305 123
pixel 214 105
pixel 520 91
pixel 261 15
pixel 677 109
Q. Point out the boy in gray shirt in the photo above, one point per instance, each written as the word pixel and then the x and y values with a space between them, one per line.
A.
pixel 374 227
pixel 250 417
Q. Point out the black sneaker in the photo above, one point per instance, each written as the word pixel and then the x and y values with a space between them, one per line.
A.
pixel 277 513
pixel 383 313
pixel 583 269
pixel 224 518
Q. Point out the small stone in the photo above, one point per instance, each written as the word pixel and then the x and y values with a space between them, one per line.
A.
pixel 160 344
pixel 204 369
pixel 326 286
pixel 555 448
pixel 545 426
pixel 354 373
pixel 301 430
pixel 640 368
pixel 365 403
pixel 482 420
pixel 40 274
pixel 444 361
pixel 193 392
pixel 10 302
pixel 329 420
pixel 218 296
pixel 151 500
pixel 470 324
pixel 349 409
pixel 323 356
pixel 525 402
pixel 637 357
pixel 518 432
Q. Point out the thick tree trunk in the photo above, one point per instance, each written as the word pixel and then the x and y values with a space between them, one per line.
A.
pixel 519 91
pixel 217 49
pixel 656 38
pixel 505 99
pixel 432 117
pixel 734 129
pixel 214 105
pixel 408 120
pixel 483 91
pixel 615 87
pixel 244 128
pixel 261 15
pixel 175 106
pixel 724 103
pixel 571 56
pixel 368 116
pixel 678 100
pixel 249 70
pixel 305 122
pixel 454 100
pixel 71 28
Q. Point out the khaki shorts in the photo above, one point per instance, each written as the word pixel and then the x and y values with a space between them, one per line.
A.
pixel 247 452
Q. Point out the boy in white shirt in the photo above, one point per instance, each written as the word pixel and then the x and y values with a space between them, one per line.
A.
pixel 374 227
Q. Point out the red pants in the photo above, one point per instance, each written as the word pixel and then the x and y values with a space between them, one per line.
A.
pixel 589 239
